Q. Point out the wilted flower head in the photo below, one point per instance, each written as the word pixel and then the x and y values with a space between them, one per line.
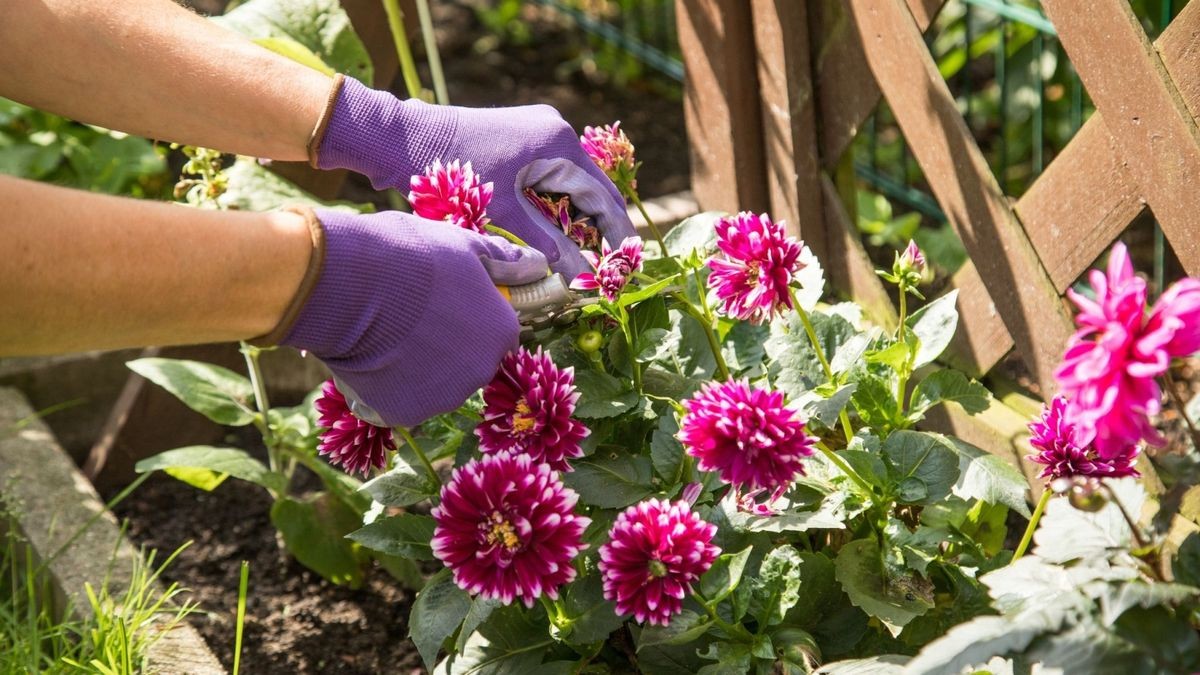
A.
pixel 558 211
pixel 755 266
pixel 656 551
pixel 527 408
pixel 611 150
pixel 355 445
pixel 1109 369
pixel 452 193
pixel 745 434
pixel 507 529
pixel 1065 455
pixel 613 268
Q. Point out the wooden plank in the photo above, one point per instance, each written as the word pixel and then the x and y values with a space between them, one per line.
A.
pixel 849 263
pixel 1155 133
pixel 721 105
pixel 982 339
pixel 963 183
pixel 789 120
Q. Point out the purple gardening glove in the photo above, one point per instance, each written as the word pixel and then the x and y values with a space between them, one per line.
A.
pixel 390 141
pixel 406 314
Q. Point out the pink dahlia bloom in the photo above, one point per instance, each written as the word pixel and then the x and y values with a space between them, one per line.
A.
pixel 656 551
pixel 356 445
pixel 756 264
pixel 611 150
pixel 1109 369
pixel 1061 448
pixel 1178 311
pixel 613 268
pixel 507 529
pixel 558 212
pixel 451 193
pixel 527 408
pixel 745 434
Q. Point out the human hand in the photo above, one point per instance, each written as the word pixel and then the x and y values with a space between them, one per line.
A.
pixel 389 141
pixel 406 313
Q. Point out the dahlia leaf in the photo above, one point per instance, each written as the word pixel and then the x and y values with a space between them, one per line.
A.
pixel 825 409
pixel 611 482
pixel 730 657
pixel 219 394
pixel 949 385
pixel 406 535
pixel 724 575
pixel 592 618
pixel 792 354
pixel 481 609
pixel 888 664
pixel 934 325
pixel 1186 564
pixel 602 395
pixel 980 639
pixel 403 485
pixel 874 400
pixel 640 293
pixel 776 587
pixel 1066 533
pixel 253 187
pixel 1115 599
pixel 314 531
pixel 831 515
pixel 895 601
pixel 987 477
pixel 666 452
pixel 508 643
pixel 206 462
pixel 437 612
pixel 850 353
pixel 922 467
pixel 684 628
pixel 697 233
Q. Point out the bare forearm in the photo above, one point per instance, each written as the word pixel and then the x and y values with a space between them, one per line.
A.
pixel 152 68
pixel 84 271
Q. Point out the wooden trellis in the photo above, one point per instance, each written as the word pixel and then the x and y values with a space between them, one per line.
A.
pixel 777 90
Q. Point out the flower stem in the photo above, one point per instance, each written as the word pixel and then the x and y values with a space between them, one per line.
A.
pixel 637 201
pixel 1033 523
pixel 845 468
pixel 627 330
pixel 732 630
pixel 1179 403
pixel 412 443
pixel 432 55
pixel 902 374
pixel 709 333
pixel 501 232
pixel 395 16
pixel 250 353
pixel 812 337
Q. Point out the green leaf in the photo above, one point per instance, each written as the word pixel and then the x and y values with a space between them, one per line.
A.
pixel 592 617
pixel 1066 533
pixel 254 188
pixel 1116 599
pixel 724 575
pixel 978 640
pixel 874 400
pixel 825 409
pixel 949 385
pixel 888 664
pixel 437 612
pixel 987 477
pixel 697 233
pixel 401 486
pixel 218 393
pixel 831 515
pixel 481 609
pixel 205 464
pixel 922 467
pixel 793 356
pixel 314 531
pixel 407 535
pixel 850 353
pixel 684 628
pixel 896 356
pixel 508 643
pixel 777 585
pixel 731 658
pixel 666 452
pixel 645 292
pixel 894 601
pixel 295 51
pixel 934 325
pixel 611 482
pixel 1186 564
pixel 320 26
pixel 601 395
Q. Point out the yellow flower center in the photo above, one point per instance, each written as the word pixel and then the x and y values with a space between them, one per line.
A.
pixel 754 271
pixel 523 420
pixel 502 532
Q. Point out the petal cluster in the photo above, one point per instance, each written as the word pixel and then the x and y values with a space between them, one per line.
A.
pixel 746 434
pixel 613 268
pixel 1112 361
pixel 451 193
pixel 355 445
pixel 612 151
pixel 558 211
pixel 1061 448
pixel 656 551
pixel 528 407
pixel 507 529
pixel 756 264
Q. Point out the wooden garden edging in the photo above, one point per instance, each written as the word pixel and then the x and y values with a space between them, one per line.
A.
pixel 821 68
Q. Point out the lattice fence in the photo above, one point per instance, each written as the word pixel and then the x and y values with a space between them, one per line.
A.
pixel 778 89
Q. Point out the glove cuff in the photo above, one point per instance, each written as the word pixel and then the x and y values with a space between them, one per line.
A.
pixel 376 134
pixel 316 262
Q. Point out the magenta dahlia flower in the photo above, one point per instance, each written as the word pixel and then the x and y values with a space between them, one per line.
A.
pixel 755 265
pixel 1060 448
pixel 611 150
pixel 452 193
pixel 613 268
pixel 507 529
pixel 558 211
pixel 656 551
pixel 1109 370
pixel 1178 311
pixel 527 408
pixel 745 434
pixel 355 445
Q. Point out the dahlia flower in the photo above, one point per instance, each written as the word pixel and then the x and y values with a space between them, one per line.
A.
pixel 656 551
pixel 507 529
pixel 527 408
pixel 1057 440
pixel 613 268
pixel 558 212
pixel 755 265
pixel 611 150
pixel 913 258
pixel 452 193
pixel 745 434
pixel 355 445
